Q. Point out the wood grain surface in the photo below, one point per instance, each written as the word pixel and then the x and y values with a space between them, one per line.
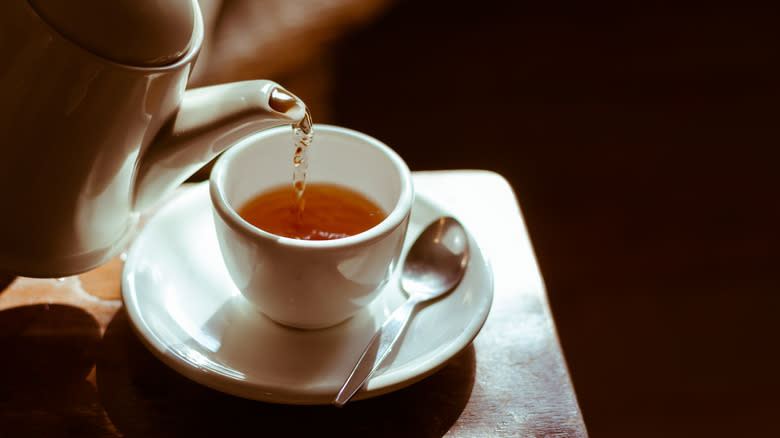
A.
pixel 73 365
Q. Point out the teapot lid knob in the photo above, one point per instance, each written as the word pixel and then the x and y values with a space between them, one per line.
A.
pixel 141 33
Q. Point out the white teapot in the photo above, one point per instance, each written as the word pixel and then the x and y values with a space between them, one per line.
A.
pixel 96 125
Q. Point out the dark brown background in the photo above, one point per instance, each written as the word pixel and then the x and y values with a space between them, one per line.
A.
pixel 641 143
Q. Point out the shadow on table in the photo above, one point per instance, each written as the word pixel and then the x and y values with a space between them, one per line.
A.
pixel 48 350
pixel 145 398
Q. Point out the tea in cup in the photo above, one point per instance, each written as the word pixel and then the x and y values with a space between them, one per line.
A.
pixel 321 212
pixel 312 265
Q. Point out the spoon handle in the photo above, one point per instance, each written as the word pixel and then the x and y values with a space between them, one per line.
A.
pixel 381 344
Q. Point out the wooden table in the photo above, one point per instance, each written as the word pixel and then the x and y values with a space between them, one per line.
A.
pixel 72 366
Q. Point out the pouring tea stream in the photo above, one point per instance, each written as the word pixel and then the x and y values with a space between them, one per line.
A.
pixel 95 128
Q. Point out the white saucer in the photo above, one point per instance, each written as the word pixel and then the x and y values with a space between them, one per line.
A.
pixel 185 308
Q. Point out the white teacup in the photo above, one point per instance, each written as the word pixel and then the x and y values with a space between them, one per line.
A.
pixel 302 283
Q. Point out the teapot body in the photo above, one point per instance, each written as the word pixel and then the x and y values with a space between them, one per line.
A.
pixel 87 140
pixel 73 128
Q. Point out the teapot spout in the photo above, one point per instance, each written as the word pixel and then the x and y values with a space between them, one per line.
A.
pixel 209 120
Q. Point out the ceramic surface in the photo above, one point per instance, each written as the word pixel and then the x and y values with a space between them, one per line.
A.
pixel 301 283
pixel 135 32
pixel 185 308
pixel 86 142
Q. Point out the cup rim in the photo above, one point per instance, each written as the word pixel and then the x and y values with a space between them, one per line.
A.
pixel 393 220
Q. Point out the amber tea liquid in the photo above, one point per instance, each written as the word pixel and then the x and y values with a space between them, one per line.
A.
pixel 329 212
pixel 313 212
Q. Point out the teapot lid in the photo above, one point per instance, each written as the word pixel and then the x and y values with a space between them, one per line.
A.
pixel 142 33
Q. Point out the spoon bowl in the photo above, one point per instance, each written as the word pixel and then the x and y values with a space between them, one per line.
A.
pixel 436 261
pixel 434 265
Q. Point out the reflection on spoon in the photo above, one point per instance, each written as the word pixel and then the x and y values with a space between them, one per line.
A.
pixel 434 266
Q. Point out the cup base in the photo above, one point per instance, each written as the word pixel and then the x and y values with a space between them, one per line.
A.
pixel 299 326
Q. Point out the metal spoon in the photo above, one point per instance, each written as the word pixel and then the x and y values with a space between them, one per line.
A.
pixel 434 266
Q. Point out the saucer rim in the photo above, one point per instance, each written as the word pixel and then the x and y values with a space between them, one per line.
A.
pixel 406 374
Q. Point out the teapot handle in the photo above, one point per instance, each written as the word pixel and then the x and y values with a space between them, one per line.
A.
pixel 208 121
